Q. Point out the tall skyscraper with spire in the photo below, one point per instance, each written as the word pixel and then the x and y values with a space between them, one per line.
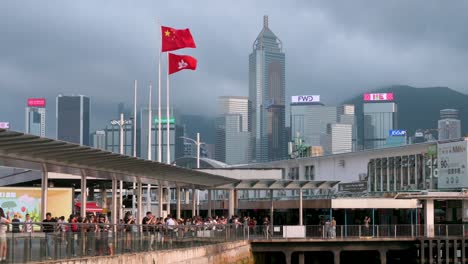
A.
pixel 267 96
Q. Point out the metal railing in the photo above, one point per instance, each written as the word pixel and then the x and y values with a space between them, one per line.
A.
pixel 353 232
pixel 65 241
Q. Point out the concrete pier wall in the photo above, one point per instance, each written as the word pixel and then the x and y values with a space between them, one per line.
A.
pixel 238 252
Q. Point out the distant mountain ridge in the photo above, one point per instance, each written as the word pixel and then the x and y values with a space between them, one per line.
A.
pixel 420 107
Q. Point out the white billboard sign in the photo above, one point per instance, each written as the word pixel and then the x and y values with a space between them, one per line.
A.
pixel 453 159
pixel 305 99
pixel 5 125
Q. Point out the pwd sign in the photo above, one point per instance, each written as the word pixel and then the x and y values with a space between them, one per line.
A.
pixel 305 99
pixel 397 133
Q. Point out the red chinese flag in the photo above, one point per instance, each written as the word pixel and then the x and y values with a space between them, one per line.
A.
pixel 174 39
pixel 181 62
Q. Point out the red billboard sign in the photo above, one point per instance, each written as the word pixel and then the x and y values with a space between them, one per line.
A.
pixel 36 102
pixel 378 97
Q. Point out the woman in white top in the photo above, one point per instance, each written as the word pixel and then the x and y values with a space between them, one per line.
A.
pixel 4 221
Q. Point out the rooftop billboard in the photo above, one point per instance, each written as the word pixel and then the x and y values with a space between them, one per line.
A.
pixel 378 97
pixel 5 125
pixel 36 102
pixel 305 99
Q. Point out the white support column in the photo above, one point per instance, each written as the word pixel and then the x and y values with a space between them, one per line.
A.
pixel 394 175
pixel 140 213
pixel 429 217
pixel 375 176
pixel 300 208
pixel 115 219
pixel 408 171
pixel 231 203
pixel 83 193
pixel 148 197
pixel 194 202
pixel 104 197
pixel 168 206
pixel 416 167
pixel 121 213
pixel 381 176
pixel 388 175
pixel 272 208
pixel 44 185
pixel 178 203
pixel 160 203
pixel 209 203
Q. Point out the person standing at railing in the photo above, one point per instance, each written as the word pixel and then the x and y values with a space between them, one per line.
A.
pixel 27 226
pixel 367 221
pixel 148 228
pixel 171 225
pixel 333 227
pixel 266 227
pixel 129 222
pixel 48 227
pixel 4 221
pixel 15 223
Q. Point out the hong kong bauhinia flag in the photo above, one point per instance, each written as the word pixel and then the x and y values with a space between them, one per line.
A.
pixel 181 62
pixel 174 39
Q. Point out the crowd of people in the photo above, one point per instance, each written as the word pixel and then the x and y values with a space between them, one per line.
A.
pixel 94 232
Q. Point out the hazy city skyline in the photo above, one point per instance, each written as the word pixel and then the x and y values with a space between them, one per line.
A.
pixel 334 49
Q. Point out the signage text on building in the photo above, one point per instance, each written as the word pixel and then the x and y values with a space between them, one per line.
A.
pixel 305 99
pixel 378 97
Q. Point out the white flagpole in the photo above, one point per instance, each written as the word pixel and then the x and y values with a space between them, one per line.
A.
pixel 149 121
pixel 168 151
pixel 159 111
pixel 148 190
pixel 135 121
pixel 134 140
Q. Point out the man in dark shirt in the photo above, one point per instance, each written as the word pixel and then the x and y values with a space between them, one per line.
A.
pixel 48 227
pixel 15 223
pixel 146 221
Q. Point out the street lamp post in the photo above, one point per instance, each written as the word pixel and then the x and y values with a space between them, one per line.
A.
pixel 121 123
pixel 198 144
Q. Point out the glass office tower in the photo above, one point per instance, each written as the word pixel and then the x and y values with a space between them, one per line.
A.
pixel 267 97
pixel 73 119
pixel 379 119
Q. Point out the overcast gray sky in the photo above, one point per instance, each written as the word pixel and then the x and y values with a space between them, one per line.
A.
pixel 333 48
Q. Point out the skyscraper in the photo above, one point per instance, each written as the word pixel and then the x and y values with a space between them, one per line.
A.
pixel 73 118
pixel 346 115
pixel 99 139
pixel 112 136
pixel 380 116
pixel 232 136
pixel 340 138
pixel 176 132
pixel 449 126
pixel 309 121
pixel 36 116
pixel 267 96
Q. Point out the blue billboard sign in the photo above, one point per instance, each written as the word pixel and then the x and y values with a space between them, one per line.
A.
pixel 397 133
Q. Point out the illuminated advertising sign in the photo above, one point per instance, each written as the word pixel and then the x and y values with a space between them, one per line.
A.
pixel 452 157
pixel 36 102
pixel 397 133
pixel 305 99
pixel 5 125
pixel 164 120
pixel 378 97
